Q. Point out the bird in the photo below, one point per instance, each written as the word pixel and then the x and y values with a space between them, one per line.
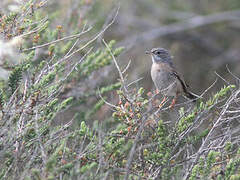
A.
pixel 165 77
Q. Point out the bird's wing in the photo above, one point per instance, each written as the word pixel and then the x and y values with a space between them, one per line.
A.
pixel 188 94
pixel 184 85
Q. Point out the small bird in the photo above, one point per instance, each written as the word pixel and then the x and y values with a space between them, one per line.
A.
pixel 165 77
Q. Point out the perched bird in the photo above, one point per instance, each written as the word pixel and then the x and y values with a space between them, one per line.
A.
pixel 166 78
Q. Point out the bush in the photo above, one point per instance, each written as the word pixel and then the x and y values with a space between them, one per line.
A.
pixel 55 71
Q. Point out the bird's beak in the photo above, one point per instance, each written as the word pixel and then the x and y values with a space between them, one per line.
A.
pixel 148 52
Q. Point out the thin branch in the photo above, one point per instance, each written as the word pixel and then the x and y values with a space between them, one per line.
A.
pixel 59 40
pixel 36 29
pixel 135 81
pixel 133 149
pixel 236 77
pixel 109 104
pixel 126 68
pixel 200 151
pixel 117 66
pixel 95 38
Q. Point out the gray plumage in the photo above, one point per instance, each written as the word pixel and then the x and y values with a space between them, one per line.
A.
pixel 164 75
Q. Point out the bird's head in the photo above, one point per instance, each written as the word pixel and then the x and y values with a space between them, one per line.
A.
pixel 160 55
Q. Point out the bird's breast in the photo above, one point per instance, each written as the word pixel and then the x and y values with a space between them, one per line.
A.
pixel 160 73
pixel 162 77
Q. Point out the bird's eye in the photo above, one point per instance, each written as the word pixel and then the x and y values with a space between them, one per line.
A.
pixel 158 52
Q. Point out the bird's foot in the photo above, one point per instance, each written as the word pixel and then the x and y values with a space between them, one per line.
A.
pixel 173 103
pixel 162 102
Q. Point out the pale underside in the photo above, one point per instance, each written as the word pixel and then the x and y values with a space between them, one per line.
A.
pixel 165 81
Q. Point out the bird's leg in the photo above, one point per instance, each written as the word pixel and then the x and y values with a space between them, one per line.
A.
pixel 157 91
pixel 162 102
pixel 173 103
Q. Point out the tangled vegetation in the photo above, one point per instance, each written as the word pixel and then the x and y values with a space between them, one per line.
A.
pixel 52 71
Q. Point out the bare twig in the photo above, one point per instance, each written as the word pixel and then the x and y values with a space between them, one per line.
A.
pixel 94 38
pixel 126 68
pixel 133 149
pixel 59 40
pixel 117 66
pixel 216 124
pixel 109 104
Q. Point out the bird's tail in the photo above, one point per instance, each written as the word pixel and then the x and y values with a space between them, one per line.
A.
pixel 191 96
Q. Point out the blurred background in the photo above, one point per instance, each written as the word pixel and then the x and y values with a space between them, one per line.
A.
pixel 203 36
